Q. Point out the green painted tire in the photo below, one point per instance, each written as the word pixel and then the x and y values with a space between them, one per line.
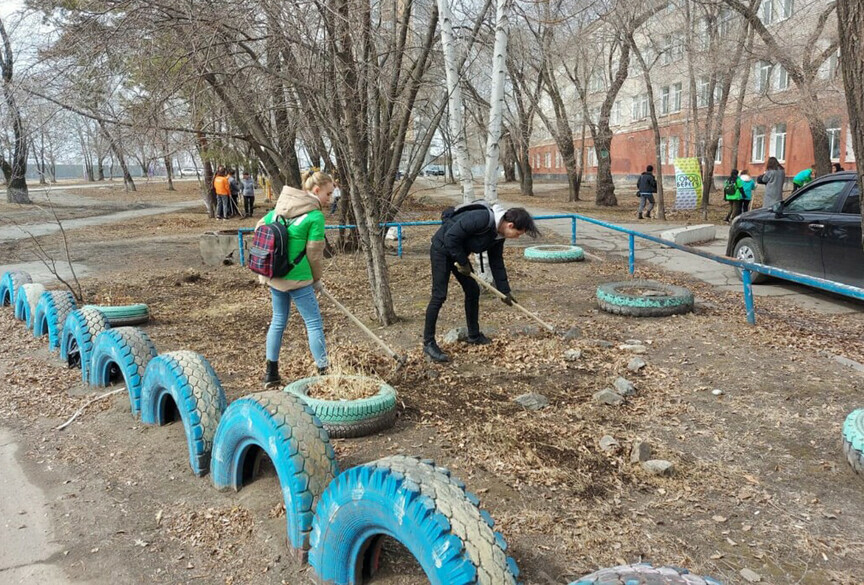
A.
pixel 124 315
pixel 350 418
pixel 554 254
pixel 644 298
pixel 853 440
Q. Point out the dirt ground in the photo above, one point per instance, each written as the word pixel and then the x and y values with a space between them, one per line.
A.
pixel 759 480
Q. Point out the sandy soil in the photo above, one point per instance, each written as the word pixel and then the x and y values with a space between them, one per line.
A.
pixel 759 480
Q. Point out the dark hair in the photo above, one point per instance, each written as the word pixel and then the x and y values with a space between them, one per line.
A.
pixel 733 173
pixel 745 172
pixel 521 220
pixel 231 172
pixel 838 167
pixel 773 164
pixel 649 169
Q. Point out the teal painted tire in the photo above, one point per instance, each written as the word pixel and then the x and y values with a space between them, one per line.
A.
pixel 554 254
pixel 79 334
pixel 125 315
pixel 189 380
pixel 421 506
pixel 350 418
pixel 644 298
pixel 853 440
pixel 9 284
pixel 644 574
pixel 288 432
pixel 30 293
pixel 50 315
pixel 122 352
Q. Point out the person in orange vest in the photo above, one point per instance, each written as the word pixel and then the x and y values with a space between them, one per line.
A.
pixel 223 193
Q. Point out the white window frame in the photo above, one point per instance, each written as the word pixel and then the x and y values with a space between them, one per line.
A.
pixel 763 76
pixel 724 22
pixel 665 96
pixel 718 156
pixel 536 160
pixel 781 79
pixel 663 143
pixel 557 160
pixel 850 148
pixel 777 145
pixel 677 89
pixel 615 115
pixel 757 151
pixel 702 89
pixel 548 160
pixel 674 148
pixel 592 156
pixel 832 127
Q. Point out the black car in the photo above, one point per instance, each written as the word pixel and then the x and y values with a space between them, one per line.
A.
pixel 816 231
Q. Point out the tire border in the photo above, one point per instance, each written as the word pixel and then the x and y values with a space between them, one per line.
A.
pixel 50 315
pixel 680 300
pixel 853 440
pixel 659 575
pixel 32 300
pixel 131 350
pixel 544 253
pixel 78 327
pixel 10 282
pixel 125 315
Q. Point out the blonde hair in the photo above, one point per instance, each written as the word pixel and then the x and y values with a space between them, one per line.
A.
pixel 312 179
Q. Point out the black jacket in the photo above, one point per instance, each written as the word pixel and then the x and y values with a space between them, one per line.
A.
pixel 471 231
pixel 647 183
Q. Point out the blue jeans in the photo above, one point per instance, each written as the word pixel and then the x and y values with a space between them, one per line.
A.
pixel 223 207
pixel 646 198
pixel 307 304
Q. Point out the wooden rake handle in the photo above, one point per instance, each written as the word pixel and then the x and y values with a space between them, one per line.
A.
pixel 502 296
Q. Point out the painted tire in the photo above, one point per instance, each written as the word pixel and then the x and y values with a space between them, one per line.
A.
pixel 30 293
pixel 79 333
pixel 190 381
pixel 9 286
pixel 290 434
pixel 125 315
pixel 422 507
pixel 668 300
pixel 50 315
pixel 554 254
pixel 22 308
pixel 123 351
pixel 350 418
pixel 853 440
pixel 644 574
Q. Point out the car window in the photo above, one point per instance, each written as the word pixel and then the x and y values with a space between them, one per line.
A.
pixel 821 197
pixel 853 202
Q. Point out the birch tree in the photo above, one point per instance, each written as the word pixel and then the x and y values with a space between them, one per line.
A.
pixel 496 101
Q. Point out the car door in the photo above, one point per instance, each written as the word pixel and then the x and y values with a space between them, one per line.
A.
pixel 792 238
pixel 842 251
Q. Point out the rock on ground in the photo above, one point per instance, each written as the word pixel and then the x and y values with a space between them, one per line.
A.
pixel 658 466
pixel 571 355
pixel 532 401
pixel 608 396
pixel 640 451
pixel 624 387
pixel 636 364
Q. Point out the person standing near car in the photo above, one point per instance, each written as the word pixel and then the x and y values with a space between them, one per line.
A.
pixel 803 177
pixel 646 186
pixel 470 228
pixel 747 184
pixel 773 179
pixel 733 194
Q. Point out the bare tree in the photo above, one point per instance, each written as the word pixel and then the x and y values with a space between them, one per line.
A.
pixel 15 170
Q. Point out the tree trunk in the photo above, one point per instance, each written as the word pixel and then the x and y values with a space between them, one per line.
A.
pixel 526 175
pixel 655 126
pixel 169 171
pixel 207 191
pixel 605 196
pixel 15 171
pixel 508 159
pixel 101 170
pixel 850 18
pixel 496 101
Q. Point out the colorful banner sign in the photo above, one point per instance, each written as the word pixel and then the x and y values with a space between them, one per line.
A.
pixel 688 183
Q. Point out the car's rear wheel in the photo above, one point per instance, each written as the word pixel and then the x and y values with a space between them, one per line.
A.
pixel 748 250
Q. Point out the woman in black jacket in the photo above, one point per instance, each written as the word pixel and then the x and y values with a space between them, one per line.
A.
pixel 472 228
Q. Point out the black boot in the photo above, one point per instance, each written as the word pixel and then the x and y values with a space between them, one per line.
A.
pixel 478 339
pixel 639 216
pixel 434 352
pixel 271 376
pixel 322 370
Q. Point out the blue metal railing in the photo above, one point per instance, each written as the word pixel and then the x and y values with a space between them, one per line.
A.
pixel 746 267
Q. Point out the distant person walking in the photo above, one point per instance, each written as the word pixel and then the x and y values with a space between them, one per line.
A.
pixel 803 177
pixel 747 185
pixel 773 179
pixel 733 194
pixel 223 193
pixel 838 168
pixel 247 186
pixel 646 186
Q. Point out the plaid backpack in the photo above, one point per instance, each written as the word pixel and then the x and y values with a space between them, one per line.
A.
pixel 268 255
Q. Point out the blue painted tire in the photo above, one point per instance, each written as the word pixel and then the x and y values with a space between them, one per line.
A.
pixel 50 315
pixel 29 294
pixel 9 284
pixel 290 434
pixel 631 299
pixel 350 418
pixel 554 254
pixel 644 574
pixel 122 351
pixel 125 315
pixel 22 308
pixel 853 440
pixel 79 334
pixel 189 380
pixel 417 504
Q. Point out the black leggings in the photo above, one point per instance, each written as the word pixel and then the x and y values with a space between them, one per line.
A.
pixel 442 266
pixel 248 205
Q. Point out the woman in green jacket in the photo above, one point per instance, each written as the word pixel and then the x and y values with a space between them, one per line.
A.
pixel 733 194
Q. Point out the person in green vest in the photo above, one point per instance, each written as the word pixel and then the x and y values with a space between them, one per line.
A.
pixel 304 209
pixel 803 177
pixel 733 193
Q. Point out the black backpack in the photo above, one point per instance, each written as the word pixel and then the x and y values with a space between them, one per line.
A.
pixel 448 214
pixel 729 188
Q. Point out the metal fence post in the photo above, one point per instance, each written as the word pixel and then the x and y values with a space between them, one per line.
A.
pixel 399 238
pixel 748 295
pixel 572 230
pixel 240 248
pixel 632 253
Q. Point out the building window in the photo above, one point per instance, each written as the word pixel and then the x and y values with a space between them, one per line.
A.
pixel 758 154
pixel 548 160
pixel 763 76
pixel 833 128
pixel 665 95
pixel 537 161
pixel 724 22
pixel 640 107
pixel 663 151
pixel 674 147
pixel 718 156
pixel 773 11
pixel 676 98
pixel 703 35
pixel 615 116
pixel 782 81
pixel 592 157
pixel 596 82
pixel 832 66
pixel 557 160
pixel 766 12
pixel 850 150
pixel 777 148
pixel 702 91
